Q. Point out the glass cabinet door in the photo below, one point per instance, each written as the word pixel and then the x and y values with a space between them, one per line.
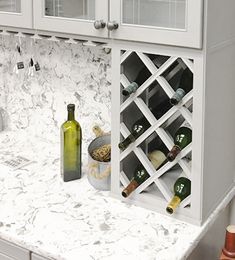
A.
pixel 71 16
pixel 170 14
pixel 16 13
pixel 13 6
pixel 171 22
pixel 82 10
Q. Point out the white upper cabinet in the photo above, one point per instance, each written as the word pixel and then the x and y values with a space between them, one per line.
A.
pixel 17 13
pixel 72 16
pixel 171 22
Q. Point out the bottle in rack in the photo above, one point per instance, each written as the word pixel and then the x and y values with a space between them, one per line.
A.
pixel 71 143
pixel 183 137
pixel 143 75
pixel 157 158
pixel 185 85
pixel 141 125
pixel 182 189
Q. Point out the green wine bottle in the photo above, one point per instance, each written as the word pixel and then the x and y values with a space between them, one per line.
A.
pixel 157 158
pixel 141 125
pixel 185 85
pixel 182 138
pixel 182 189
pixel 71 144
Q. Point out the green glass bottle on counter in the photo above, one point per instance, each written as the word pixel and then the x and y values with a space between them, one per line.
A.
pixel 182 189
pixel 183 137
pixel 185 85
pixel 157 158
pixel 71 145
pixel 141 125
pixel 143 75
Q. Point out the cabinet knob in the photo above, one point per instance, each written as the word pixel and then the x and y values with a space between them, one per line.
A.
pixel 99 24
pixel 112 25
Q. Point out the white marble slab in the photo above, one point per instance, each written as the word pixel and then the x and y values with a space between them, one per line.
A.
pixel 70 73
pixel 72 221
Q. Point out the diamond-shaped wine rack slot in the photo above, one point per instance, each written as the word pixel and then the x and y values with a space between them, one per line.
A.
pixel 172 66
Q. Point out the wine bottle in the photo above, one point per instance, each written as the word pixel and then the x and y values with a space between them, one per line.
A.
pixel 182 189
pixel 229 247
pixel 185 85
pixel 71 144
pixel 183 137
pixel 157 158
pixel 143 75
pixel 141 125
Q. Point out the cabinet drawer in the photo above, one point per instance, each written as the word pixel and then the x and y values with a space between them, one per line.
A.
pixel 13 252
pixel 37 257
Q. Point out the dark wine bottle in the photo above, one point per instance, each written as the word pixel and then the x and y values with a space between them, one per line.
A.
pixel 157 158
pixel 143 75
pixel 183 137
pixel 141 125
pixel 185 85
pixel 71 144
pixel 182 189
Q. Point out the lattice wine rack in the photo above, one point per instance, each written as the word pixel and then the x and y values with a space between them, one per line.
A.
pixel 165 72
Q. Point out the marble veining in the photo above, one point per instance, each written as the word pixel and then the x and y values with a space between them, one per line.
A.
pixel 72 220
pixel 70 73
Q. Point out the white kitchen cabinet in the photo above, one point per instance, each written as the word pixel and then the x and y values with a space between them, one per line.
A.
pixel 16 13
pixel 72 16
pixel 171 22
pixel 9 251
pixel 209 109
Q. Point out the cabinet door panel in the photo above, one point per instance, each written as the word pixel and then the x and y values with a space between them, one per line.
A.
pixel 16 13
pixel 171 22
pixel 13 251
pixel 71 16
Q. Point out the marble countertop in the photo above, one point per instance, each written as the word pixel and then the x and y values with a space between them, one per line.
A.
pixel 72 220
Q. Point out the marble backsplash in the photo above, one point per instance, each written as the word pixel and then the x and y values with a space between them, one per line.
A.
pixel 70 73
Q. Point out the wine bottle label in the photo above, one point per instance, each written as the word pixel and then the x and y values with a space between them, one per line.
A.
pixel 178 96
pixel 20 65
pixel 157 158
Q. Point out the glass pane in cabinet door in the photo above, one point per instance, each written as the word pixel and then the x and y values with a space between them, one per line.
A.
pixel 157 13
pixel 76 9
pixel 10 6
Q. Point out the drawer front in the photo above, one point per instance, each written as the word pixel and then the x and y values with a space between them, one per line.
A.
pixel 13 252
pixel 37 257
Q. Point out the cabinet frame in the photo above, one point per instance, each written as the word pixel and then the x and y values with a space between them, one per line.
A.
pixel 194 213
pixel 23 19
pixel 190 37
pixel 71 25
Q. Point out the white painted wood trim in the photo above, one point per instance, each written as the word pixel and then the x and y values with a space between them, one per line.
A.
pixel 23 19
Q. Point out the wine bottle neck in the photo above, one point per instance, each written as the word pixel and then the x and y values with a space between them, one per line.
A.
pixel 70 115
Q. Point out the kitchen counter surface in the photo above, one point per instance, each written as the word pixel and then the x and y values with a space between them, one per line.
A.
pixel 72 221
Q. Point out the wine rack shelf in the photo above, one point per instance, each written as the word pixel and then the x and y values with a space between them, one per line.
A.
pixel 196 161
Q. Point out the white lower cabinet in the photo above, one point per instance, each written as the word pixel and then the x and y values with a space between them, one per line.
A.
pixel 37 257
pixel 9 251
